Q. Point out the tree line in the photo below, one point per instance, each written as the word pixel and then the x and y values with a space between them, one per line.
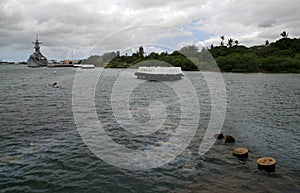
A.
pixel 282 55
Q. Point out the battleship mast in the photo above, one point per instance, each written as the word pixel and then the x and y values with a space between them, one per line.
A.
pixel 37 44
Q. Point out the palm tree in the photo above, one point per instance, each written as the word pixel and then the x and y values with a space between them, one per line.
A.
pixel 222 42
pixel 230 42
pixel 267 43
pixel 284 34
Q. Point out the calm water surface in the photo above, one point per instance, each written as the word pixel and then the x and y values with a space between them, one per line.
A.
pixel 42 151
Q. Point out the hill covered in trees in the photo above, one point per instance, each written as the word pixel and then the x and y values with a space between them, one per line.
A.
pixel 280 56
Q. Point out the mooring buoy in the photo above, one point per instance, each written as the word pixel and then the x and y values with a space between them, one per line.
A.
pixel 241 152
pixel 266 163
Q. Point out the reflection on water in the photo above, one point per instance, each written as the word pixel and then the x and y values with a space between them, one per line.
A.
pixel 41 150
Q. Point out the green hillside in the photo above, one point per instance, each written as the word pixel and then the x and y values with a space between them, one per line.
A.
pixel 280 56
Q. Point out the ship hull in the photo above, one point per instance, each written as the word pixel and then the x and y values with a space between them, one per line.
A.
pixel 33 62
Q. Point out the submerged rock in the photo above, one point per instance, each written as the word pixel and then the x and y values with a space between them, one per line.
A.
pixel 220 136
pixel 55 85
pixel 229 139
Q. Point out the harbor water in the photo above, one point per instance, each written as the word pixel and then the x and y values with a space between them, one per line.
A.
pixel 42 151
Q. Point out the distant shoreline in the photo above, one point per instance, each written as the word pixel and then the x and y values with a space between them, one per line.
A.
pixel 234 72
pixel 282 56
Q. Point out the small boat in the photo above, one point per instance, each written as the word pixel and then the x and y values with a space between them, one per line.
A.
pixel 87 66
pixel 159 73
pixel 37 59
pixel 77 65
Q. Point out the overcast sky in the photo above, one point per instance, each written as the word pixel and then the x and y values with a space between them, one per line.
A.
pixel 87 27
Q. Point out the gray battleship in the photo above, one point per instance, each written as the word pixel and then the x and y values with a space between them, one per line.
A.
pixel 37 59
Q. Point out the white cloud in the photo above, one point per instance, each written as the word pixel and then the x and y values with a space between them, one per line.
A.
pixel 79 24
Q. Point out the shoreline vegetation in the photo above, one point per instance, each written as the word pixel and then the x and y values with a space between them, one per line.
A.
pixel 281 56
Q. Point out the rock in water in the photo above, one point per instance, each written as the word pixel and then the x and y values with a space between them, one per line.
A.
pixel 220 136
pixel 229 139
